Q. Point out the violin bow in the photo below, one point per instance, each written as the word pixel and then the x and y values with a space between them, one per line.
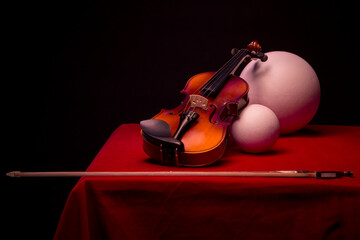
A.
pixel 271 174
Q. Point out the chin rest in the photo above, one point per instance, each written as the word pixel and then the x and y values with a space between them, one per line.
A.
pixel 158 133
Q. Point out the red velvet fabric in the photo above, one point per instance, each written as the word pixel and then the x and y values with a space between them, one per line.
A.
pixel 220 207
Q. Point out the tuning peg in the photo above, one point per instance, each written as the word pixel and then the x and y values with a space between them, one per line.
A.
pixel 259 55
pixel 234 51
pixel 262 56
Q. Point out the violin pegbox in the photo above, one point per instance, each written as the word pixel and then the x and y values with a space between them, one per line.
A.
pixel 254 46
pixel 255 51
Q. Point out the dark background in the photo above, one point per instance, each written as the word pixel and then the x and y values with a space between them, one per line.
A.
pixel 75 71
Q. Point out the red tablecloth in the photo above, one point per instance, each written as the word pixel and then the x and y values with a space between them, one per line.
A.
pixel 221 207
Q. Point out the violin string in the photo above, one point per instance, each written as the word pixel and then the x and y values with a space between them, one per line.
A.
pixel 228 68
pixel 214 82
pixel 187 106
pixel 218 78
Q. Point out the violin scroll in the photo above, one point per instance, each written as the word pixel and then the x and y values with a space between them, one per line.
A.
pixel 254 46
pixel 254 49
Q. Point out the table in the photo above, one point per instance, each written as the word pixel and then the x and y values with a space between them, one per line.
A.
pixel 221 207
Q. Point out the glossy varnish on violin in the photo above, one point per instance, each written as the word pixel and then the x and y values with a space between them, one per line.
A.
pixel 204 141
pixel 194 133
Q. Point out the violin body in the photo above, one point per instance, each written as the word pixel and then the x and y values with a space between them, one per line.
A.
pixel 205 141
pixel 194 134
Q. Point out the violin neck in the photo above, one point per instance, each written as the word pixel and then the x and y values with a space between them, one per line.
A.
pixel 215 84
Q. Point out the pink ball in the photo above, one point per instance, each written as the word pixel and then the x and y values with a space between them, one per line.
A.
pixel 256 129
pixel 286 84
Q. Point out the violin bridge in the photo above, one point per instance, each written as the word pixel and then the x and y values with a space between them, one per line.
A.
pixel 197 101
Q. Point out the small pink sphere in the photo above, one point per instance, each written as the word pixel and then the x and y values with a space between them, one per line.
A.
pixel 286 84
pixel 256 129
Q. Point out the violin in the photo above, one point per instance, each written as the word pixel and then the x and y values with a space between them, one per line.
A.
pixel 194 134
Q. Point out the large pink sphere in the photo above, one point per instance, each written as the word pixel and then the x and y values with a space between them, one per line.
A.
pixel 256 129
pixel 286 84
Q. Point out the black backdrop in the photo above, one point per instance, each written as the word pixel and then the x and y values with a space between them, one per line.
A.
pixel 77 70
